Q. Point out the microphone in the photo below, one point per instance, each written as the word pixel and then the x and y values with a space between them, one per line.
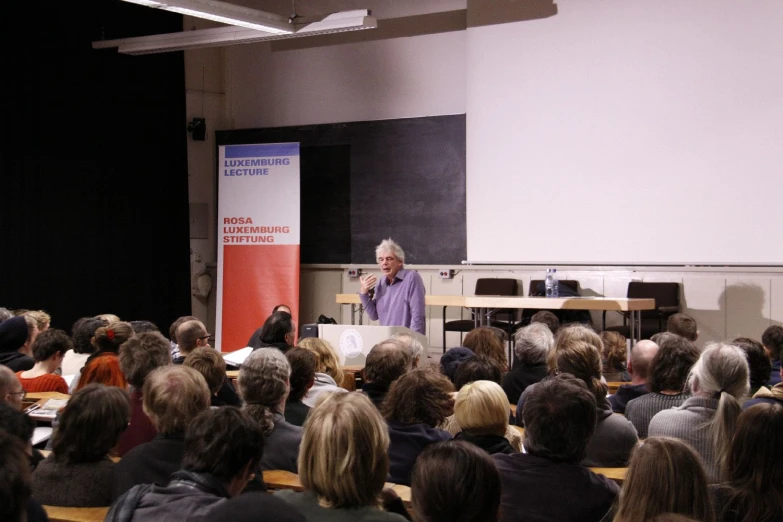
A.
pixel 371 293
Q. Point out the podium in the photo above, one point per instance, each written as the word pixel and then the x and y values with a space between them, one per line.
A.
pixel 353 342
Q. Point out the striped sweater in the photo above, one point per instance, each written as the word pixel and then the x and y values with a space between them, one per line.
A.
pixel 641 410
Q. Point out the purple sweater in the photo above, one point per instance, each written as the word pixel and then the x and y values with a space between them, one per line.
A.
pixel 398 304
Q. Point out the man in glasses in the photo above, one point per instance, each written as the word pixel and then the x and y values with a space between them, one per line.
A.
pixel 11 391
pixel 190 335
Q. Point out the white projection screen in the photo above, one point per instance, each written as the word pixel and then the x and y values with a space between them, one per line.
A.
pixel 628 132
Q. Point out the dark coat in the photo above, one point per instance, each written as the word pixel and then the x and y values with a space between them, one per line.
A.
pixel 490 443
pixel 150 463
pixel 407 441
pixel 376 392
pixel 520 377
pixel 625 393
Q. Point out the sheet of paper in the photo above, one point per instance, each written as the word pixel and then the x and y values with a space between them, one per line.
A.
pixel 69 379
pixel 238 357
pixel 41 434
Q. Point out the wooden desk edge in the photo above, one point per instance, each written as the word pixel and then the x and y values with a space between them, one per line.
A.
pixel 74 514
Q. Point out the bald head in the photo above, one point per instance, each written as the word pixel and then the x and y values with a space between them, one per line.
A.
pixel 190 335
pixel 10 388
pixel 387 362
pixel 642 355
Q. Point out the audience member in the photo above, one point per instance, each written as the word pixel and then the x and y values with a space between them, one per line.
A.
pixel 210 364
pixel 719 381
pixel 173 333
pixel 109 318
pixel 664 476
pixel 453 359
pixel 328 375
pixel 547 482
pixel 413 345
pixel 772 339
pixel 642 355
pixel 416 403
pixel 531 346
pixel 278 331
pixel 79 472
pixel 758 362
pixel 666 381
pixel 281 308
pixel 481 410
pixel 753 491
pixel 614 356
pixel 5 314
pixel 21 426
pixel 255 506
pixel 548 318
pixel 772 395
pixel 81 333
pixel 11 391
pixel 223 447
pixel 16 504
pixel 41 318
pixel 264 385
pixel 683 325
pixel 303 364
pixel 483 341
pixel 48 351
pixel 343 462
pixel 17 336
pixel 103 366
pixel 139 356
pixel 386 362
pixel 173 397
pixel 140 327
pixel 190 335
pixel 454 481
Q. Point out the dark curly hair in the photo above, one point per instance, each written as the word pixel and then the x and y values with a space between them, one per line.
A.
pixel 422 396
pixel 670 367
pixel 478 368
pixel 82 332
pixel 758 361
pixel 772 339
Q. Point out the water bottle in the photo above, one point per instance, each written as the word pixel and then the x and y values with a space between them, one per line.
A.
pixel 551 282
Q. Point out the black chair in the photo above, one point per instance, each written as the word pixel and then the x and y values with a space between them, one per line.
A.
pixel 667 303
pixel 484 286
pixel 537 288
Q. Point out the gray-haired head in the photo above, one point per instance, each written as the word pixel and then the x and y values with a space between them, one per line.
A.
pixel 533 343
pixel 722 367
pixel 5 313
pixel 264 385
pixel 413 345
pixel 391 246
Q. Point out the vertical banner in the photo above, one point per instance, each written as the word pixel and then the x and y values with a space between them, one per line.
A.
pixel 258 238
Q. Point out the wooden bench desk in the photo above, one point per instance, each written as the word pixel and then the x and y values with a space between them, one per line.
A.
pixel 280 479
pixel 72 514
pixel 615 474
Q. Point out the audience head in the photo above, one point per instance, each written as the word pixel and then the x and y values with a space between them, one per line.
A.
pixel 281 308
pixel 421 396
pixel 454 481
pixel 758 361
pixel 533 343
pixel 225 443
pixel 82 332
pixel 51 345
pixel 722 373
pixel 278 328
pixel 173 396
pixel 13 334
pixel 177 323
pixel 683 325
pixel 414 346
pixel 582 360
pixel 671 364
pixel 210 364
pixel 547 318
pixel 303 365
pixel 481 408
pixel 343 456
pixel 477 368
pixel 14 478
pixel 191 335
pixel 141 354
pixel 41 318
pixel 642 355
pixel 109 318
pixel 326 359
pixel 17 424
pixel 615 351
pixel 665 475
pixel 386 362
pixel 11 391
pixel 264 384
pixel 5 313
pixel 453 359
pixel 140 327
pixel 483 341
pixel 579 332
pixel 109 338
pixel 32 335
pixel 91 424
pixel 755 464
pixel 566 402
pixel 772 339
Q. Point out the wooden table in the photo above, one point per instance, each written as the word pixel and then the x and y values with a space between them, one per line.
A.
pixel 279 479
pixel 72 514
pixel 483 305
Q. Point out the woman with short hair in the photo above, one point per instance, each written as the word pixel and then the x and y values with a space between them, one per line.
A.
pixel 481 410
pixel 79 472
pixel 328 375
pixel 343 462
pixel 483 341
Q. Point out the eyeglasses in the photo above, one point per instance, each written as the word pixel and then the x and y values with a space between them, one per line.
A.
pixel 205 337
pixel 23 393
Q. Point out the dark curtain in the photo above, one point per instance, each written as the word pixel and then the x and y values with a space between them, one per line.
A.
pixel 93 165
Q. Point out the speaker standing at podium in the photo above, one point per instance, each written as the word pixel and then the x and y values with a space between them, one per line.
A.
pixel 397 299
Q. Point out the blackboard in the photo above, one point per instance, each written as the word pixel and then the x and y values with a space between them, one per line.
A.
pixel 366 181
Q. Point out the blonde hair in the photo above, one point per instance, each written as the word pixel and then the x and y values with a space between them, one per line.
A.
pixel 174 396
pixel 343 456
pixel 481 408
pixel 326 360
pixel 109 318
pixel 42 319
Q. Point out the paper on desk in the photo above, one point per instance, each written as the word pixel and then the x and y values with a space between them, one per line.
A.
pixel 41 434
pixel 238 357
